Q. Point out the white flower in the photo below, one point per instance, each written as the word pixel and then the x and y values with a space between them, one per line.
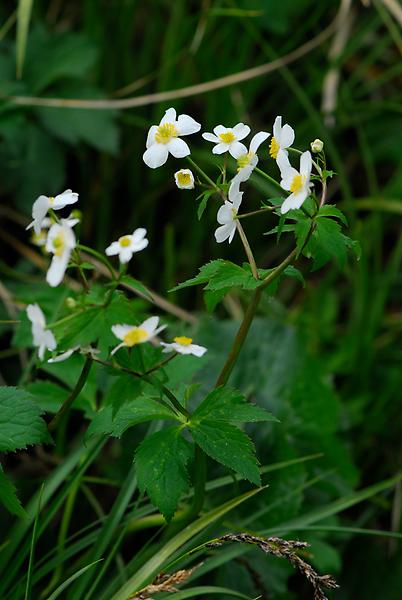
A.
pixel 131 335
pixel 317 146
pixel 282 139
pixel 297 182
pixel 60 242
pixel 250 158
pixel 164 138
pixel 127 245
pixel 227 214
pixel 184 345
pixel 42 338
pixel 184 179
pixel 43 203
pixel 227 139
pixel 63 356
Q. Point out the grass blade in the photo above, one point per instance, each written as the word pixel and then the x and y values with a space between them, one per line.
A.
pixel 23 19
pixel 70 580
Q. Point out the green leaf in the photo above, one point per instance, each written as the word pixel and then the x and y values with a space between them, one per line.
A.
pixel 302 229
pixel 23 18
pixel 219 275
pixel 161 461
pixel 130 282
pixel 8 496
pixel 227 404
pixel 228 445
pixel 20 422
pixel 203 204
pixel 329 210
pixel 291 271
pixel 57 592
pixel 327 242
pixel 136 411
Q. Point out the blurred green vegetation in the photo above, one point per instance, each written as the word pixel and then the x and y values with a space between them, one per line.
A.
pixel 327 356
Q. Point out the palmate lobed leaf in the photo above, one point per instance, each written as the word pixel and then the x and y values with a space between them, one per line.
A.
pixel 138 410
pixel 20 421
pixel 161 461
pixel 227 404
pixel 220 274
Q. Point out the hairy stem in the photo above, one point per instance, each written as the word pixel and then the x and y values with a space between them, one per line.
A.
pixel 68 402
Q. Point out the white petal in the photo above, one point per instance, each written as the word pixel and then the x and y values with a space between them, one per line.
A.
pixel 139 234
pixel 198 350
pixel 306 164
pixel 65 198
pixel 140 245
pixel 178 148
pixel 57 268
pixel 294 201
pixel 120 331
pixel 155 156
pixel 150 325
pixel 41 352
pixel 169 116
pixel 237 149
pixel 221 129
pixel 277 128
pixel 113 249
pixel 117 348
pixel 39 210
pixel 125 254
pixel 210 137
pixel 241 131
pixel 287 136
pixel 151 136
pixel 225 214
pixel 63 356
pixel 220 148
pixel 224 232
pixel 257 140
pixel 187 125
pixel 232 233
pixel 284 165
pixel 167 347
pixel 35 315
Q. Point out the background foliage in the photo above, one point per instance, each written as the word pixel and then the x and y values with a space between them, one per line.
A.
pixel 324 359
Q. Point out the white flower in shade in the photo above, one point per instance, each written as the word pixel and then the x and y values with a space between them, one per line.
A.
pixel 184 345
pixel 317 146
pixel 42 338
pixel 184 179
pixel 165 138
pixel 127 245
pixel 60 242
pixel 63 356
pixel 43 203
pixel 297 182
pixel 227 214
pixel 131 335
pixel 283 138
pixel 227 139
pixel 250 158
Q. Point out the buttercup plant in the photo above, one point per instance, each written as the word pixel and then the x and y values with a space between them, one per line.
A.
pixel 88 327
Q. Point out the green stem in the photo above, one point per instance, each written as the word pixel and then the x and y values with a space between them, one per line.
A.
pixel 205 176
pixel 68 402
pixel 99 256
pixel 161 364
pixel 257 212
pixel 247 248
pixel 270 179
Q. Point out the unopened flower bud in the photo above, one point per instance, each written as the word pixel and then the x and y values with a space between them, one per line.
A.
pixel 317 146
pixel 71 303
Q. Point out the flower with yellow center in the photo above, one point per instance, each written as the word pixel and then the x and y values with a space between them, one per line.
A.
pixel 296 182
pixel 127 245
pixel 165 138
pixel 250 159
pixel 184 179
pixel 184 345
pixel 227 139
pixel 60 242
pixel 227 214
pixel 42 205
pixel 132 335
pixel 283 138
pixel 42 338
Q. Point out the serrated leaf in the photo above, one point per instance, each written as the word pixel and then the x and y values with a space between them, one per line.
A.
pixel 329 210
pixel 227 404
pixel 161 461
pixel 20 421
pixel 302 229
pixel 8 496
pixel 221 274
pixel 138 410
pixel 280 229
pixel 229 446
pixel 203 204
pixel 292 271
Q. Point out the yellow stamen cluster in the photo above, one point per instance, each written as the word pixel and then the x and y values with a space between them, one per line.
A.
pixel 137 335
pixel 227 137
pixel 58 244
pixel 125 241
pixel 51 199
pixel 183 340
pixel 244 160
pixel 297 184
pixel 165 133
pixel 274 148
pixel 184 178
